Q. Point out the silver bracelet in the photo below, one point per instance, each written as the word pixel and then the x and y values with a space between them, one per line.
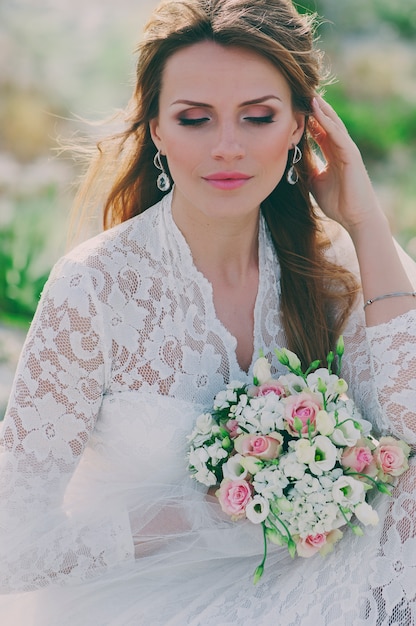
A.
pixel 396 294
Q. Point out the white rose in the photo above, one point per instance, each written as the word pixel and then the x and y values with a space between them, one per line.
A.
pixel 347 491
pixel 325 455
pixel 305 452
pixel 366 514
pixel 261 370
pixel 257 509
pixel 325 423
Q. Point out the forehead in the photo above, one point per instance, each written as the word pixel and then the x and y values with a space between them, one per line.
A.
pixel 207 69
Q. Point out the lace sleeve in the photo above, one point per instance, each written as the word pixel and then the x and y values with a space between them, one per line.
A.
pixel 52 411
pixel 380 363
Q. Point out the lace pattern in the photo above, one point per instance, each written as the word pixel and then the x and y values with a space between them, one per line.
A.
pixel 128 315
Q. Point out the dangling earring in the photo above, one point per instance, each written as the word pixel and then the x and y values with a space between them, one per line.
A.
pixel 163 180
pixel 292 176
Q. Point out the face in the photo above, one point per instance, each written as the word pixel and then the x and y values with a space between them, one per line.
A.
pixel 225 125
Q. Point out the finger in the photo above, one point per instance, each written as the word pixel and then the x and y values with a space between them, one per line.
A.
pixel 326 116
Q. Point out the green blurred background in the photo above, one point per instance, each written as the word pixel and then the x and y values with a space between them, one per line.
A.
pixel 63 60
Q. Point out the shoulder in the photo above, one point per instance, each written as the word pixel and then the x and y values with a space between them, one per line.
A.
pixel 120 240
pixel 118 256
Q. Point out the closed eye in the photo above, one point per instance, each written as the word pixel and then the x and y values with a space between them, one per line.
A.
pixel 263 119
pixel 192 121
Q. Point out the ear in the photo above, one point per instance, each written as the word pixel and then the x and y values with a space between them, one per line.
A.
pixel 298 127
pixel 155 133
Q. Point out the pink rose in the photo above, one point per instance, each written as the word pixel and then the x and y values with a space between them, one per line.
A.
pixel 321 542
pixel 358 458
pixel 271 386
pixel 310 545
pixel 233 428
pixel 260 446
pixel 305 406
pixel 234 495
pixel 391 456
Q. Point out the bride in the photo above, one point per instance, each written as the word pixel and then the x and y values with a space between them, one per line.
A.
pixel 224 236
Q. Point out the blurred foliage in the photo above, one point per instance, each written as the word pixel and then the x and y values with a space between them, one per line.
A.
pixel 399 13
pixel 24 257
pixel 375 124
pixel 357 16
pixel 370 47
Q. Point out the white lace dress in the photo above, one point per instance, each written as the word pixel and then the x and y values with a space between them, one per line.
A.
pixel 124 352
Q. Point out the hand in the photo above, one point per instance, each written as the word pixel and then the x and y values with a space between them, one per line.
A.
pixel 342 189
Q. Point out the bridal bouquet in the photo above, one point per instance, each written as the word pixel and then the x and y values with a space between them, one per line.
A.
pixel 294 455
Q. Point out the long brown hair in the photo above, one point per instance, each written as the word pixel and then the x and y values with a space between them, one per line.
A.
pixel 316 295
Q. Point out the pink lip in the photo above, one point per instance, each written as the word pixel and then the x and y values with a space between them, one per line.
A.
pixel 227 180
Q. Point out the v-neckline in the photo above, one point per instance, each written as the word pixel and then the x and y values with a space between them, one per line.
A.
pixel 206 286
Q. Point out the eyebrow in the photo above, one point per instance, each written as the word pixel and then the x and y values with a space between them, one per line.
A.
pixel 243 104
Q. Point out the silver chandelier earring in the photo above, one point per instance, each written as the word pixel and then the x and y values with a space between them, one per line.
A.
pixel 163 180
pixel 292 176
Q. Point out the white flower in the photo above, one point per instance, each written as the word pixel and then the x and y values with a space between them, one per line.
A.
pixel 325 455
pixel 205 477
pixel 366 514
pixel 251 464
pixel 287 357
pixel 257 509
pixel 291 468
pixel 295 384
pixel 216 452
pixel 337 387
pixel 198 458
pixel 234 467
pixel 320 377
pixel 272 415
pixel 204 423
pixel 305 452
pixel 325 423
pixel 348 491
pixel 270 481
pixel 346 434
pixel 261 370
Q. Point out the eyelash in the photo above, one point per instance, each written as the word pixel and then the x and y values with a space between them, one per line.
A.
pixel 184 121
pixel 265 119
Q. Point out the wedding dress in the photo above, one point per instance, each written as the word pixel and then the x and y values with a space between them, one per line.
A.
pixel 124 353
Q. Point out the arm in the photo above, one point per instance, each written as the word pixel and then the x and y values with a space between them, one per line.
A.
pixel 383 337
pixel 344 192
pixel 51 414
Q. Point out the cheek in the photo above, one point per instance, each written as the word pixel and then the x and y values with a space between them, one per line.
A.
pixel 183 156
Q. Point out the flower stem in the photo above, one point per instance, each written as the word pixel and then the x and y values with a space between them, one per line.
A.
pixel 260 568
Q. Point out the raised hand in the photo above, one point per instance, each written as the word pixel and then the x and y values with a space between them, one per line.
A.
pixel 342 189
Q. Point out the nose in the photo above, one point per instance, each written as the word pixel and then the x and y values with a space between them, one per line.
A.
pixel 228 146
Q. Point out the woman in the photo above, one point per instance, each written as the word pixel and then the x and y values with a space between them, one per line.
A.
pixel 141 326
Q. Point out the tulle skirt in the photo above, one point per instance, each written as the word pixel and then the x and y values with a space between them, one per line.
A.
pixel 206 578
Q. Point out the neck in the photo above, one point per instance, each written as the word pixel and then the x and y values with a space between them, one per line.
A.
pixel 223 248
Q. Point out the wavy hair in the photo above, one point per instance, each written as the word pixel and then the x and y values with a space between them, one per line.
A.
pixel 316 295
